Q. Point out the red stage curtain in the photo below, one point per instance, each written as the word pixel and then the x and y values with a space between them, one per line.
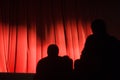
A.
pixel 28 27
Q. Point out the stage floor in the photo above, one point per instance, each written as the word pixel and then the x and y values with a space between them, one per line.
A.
pixel 16 76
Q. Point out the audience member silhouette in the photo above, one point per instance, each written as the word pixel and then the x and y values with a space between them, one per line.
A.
pixel 53 67
pixel 99 59
pixel 68 67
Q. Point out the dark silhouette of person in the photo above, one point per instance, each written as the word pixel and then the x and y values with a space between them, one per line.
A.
pixel 52 67
pixel 68 67
pixel 99 59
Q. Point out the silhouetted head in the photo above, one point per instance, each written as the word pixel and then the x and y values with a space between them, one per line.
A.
pixel 52 50
pixel 98 27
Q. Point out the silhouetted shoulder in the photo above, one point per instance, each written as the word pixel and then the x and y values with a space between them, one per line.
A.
pixel 40 65
pixel 88 44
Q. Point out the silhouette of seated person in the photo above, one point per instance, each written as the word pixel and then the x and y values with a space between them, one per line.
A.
pixel 99 57
pixel 50 67
pixel 68 67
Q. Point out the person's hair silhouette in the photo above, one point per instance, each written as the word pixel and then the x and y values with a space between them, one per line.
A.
pixel 98 27
pixel 52 50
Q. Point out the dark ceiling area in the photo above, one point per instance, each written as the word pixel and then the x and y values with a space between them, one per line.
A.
pixel 19 11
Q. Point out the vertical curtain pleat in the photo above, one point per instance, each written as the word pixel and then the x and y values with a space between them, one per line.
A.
pixel 12 49
pixel 81 35
pixel 21 55
pixel 69 41
pixel 75 41
pixel 6 41
pixel 31 54
pixel 60 38
pixel 3 67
